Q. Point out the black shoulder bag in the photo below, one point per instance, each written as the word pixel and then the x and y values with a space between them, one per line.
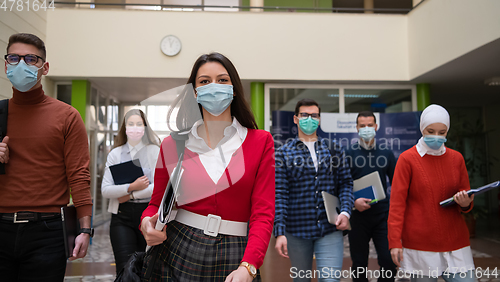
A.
pixel 132 270
pixel 4 111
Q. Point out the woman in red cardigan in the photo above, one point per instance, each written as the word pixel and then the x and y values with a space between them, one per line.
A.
pixel 427 240
pixel 225 203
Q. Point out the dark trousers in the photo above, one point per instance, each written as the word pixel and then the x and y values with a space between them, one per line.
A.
pixel 126 238
pixel 32 251
pixel 366 227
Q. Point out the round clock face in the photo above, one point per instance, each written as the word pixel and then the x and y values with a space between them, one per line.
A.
pixel 170 45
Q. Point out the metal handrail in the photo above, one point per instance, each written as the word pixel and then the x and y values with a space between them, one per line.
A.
pixel 316 9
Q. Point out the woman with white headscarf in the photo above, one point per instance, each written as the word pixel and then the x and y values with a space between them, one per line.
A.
pixel 427 240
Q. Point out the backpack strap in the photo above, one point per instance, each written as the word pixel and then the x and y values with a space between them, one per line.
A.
pixel 4 111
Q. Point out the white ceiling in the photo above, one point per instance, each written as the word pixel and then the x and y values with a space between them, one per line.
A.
pixel 456 83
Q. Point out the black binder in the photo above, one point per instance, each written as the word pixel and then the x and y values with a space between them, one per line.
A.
pixel 71 227
pixel 127 172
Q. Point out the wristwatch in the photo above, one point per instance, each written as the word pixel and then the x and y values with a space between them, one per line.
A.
pixel 89 231
pixel 251 269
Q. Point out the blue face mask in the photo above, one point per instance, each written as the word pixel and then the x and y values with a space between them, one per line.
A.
pixel 367 133
pixel 214 97
pixel 22 76
pixel 434 141
pixel 308 125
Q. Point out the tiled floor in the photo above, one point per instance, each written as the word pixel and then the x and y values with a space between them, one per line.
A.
pixel 98 265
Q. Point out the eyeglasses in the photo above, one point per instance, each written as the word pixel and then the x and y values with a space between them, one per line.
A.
pixel 30 59
pixel 305 115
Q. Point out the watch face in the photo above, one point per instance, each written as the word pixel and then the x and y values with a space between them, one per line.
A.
pixel 170 45
pixel 253 270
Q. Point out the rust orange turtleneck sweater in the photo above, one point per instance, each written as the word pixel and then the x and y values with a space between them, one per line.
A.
pixel 48 155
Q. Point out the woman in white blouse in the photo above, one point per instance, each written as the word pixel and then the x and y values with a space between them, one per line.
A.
pixel 135 141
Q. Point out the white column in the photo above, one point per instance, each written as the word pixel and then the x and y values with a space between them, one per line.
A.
pixel 368 4
pixel 256 3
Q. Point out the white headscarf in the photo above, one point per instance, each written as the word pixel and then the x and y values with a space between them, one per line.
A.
pixel 432 114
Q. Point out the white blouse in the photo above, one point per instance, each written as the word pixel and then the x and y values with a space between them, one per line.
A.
pixel 435 263
pixel 112 191
pixel 215 161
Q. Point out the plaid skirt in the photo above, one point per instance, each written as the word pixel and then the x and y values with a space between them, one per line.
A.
pixel 188 255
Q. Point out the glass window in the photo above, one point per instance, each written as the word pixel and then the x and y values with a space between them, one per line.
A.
pixel 285 99
pixel 157 117
pixel 102 113
pixel 93 106
pixel 377 100
pixel 64 93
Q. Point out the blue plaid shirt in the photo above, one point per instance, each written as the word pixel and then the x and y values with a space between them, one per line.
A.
pixel 299 204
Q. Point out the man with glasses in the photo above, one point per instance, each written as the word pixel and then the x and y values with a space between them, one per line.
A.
pixel 305 167
pixel 46 157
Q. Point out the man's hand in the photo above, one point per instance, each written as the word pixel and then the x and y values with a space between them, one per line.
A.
pixel 81 245
pixel 140 183
pixel 463 199
pixel 153 237
pixel 342 222
pixel 397 256
pixel 4 150
pixel 362 204
pixel 282 246
pixel 239 275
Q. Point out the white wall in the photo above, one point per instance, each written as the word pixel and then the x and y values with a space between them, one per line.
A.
pixel 263 46
pixel 442 30
pixel 25 21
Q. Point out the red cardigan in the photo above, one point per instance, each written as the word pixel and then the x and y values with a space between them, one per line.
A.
pixel 249 198
pixel 416 220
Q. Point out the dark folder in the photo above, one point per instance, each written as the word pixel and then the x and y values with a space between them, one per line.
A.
pixel 477 191
pixel 127 172
pixel 70 228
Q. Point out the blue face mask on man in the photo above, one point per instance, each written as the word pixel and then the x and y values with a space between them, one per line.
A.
pixel 308 125
pixel 367 133
pixel 214 97
pixel 434 141
pixel 22 76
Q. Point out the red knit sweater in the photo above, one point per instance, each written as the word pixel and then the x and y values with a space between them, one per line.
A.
pixel 48 148
pixel 416 220
pixel 249 198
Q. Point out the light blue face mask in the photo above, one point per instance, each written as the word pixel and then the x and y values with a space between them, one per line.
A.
pixel 367 133
pixel 22 76
pixel 308 125
pixel 214 97
pixel 434 141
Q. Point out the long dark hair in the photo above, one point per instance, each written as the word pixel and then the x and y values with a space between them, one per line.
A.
pixel 149 136
pixel 239 106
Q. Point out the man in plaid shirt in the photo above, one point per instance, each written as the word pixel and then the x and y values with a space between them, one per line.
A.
pixel 306 166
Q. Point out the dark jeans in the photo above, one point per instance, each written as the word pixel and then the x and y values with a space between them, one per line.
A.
pixel 366 227
pixel 32 251
pixel 126 238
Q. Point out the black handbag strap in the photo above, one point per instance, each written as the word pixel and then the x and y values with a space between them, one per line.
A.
pixel 4 111
pixel 153 252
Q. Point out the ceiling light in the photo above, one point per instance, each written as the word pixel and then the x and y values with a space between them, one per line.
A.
pixel 494 81
pixel 355 95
